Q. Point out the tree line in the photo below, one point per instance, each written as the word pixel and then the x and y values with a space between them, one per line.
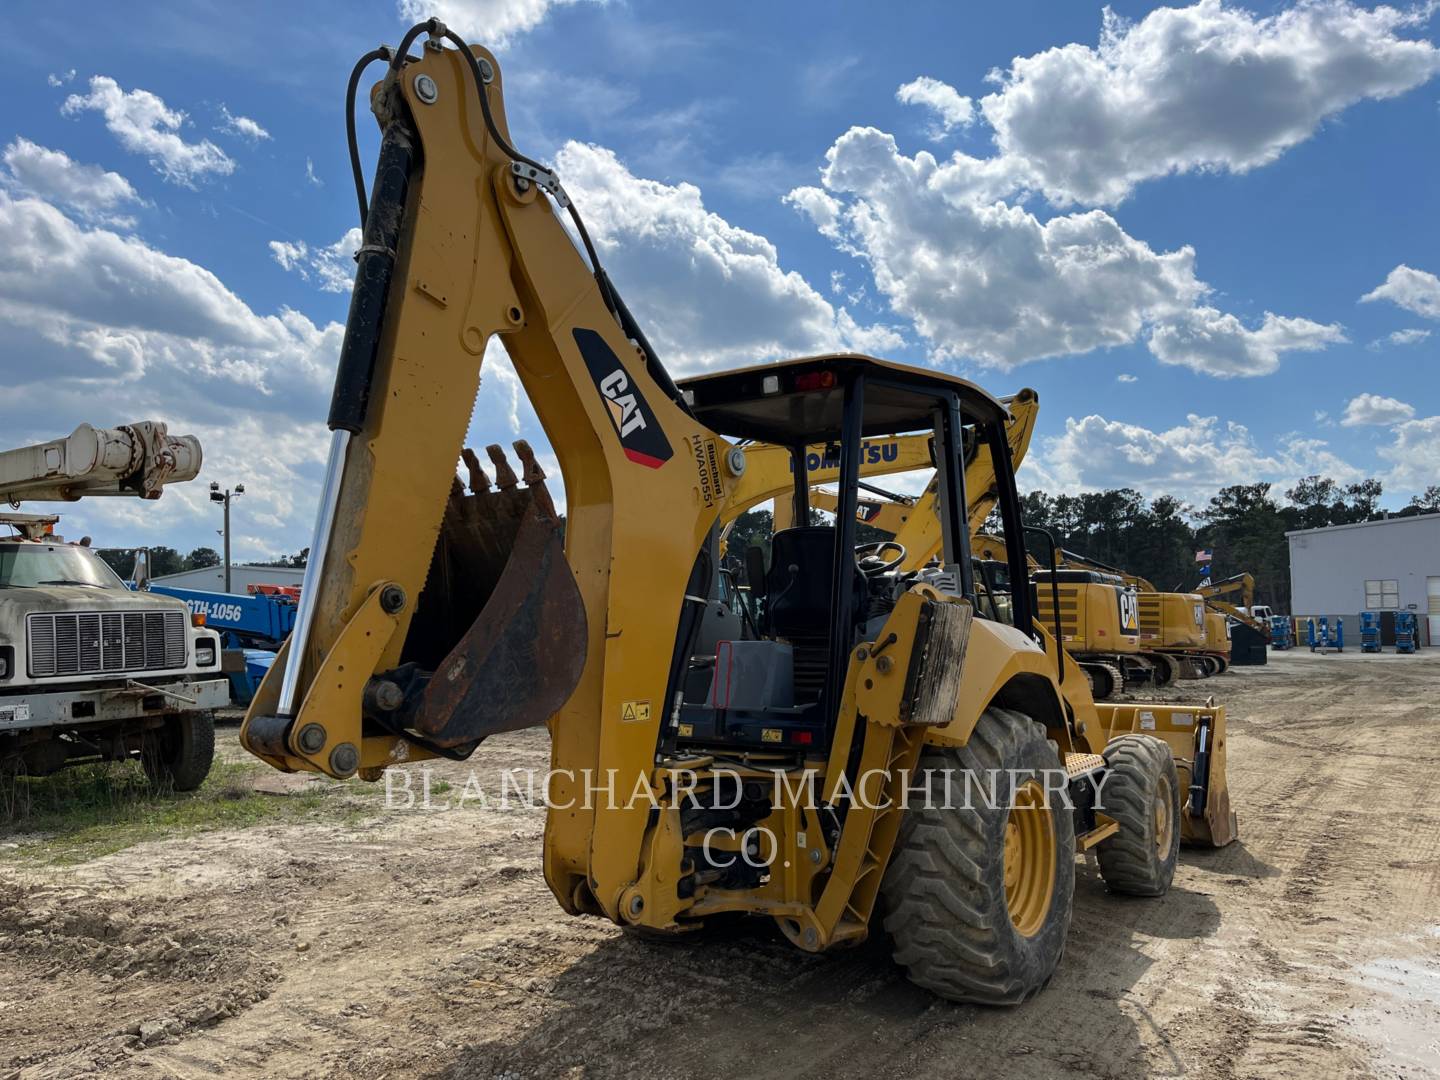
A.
pixel 166 560
pixel 1243 525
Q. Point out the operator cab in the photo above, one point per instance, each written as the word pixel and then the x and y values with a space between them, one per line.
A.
pixel 777 685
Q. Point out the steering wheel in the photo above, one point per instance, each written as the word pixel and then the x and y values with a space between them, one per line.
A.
pixel 872 551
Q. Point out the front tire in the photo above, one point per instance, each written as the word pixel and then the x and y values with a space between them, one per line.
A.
pixel 978 898
pixel 1142 793
pixel 179 753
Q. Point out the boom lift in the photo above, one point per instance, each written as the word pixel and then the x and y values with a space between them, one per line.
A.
pixel 809 781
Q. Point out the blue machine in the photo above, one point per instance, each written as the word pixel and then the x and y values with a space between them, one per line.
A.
pixel 251 629
pixel 1323 640
pixel 1407 632
pixel 1369 631
pixel 1282 632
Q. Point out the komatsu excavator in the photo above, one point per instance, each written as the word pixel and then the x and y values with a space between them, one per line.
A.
pixel 918 520
pixel 826 769
pixel 1095 611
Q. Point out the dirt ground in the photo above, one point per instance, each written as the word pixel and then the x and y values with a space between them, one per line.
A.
pixel 426 943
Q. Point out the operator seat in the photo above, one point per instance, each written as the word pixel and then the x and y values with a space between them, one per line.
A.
pixel 797 605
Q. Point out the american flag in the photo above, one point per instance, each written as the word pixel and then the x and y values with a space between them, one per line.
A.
pixel 1204 555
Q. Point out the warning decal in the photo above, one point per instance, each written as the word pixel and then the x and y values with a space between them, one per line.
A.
pixel 635 712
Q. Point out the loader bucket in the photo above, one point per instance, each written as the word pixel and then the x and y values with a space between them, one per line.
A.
pixel 500 623
pixel 1196 735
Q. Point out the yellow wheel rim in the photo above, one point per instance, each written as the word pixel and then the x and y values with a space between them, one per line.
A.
pixel 1029 859
pixel 1164 821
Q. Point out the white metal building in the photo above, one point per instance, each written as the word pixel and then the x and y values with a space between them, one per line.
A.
pixel 1383 566
pixel 212 578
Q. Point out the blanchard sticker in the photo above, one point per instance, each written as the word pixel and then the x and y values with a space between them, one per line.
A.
pixel 640 434
pixel 707 464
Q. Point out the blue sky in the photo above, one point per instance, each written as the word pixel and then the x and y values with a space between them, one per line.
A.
pixel 1164 220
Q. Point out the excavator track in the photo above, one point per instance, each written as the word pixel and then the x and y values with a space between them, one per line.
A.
pixel 1105 678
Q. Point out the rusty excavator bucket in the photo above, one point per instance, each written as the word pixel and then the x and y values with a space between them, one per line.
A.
pixel 500 622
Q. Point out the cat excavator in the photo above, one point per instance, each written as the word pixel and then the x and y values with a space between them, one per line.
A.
pixel 1247 634
pixel 870 748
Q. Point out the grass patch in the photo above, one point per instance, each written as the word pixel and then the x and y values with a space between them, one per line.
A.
pixel 83 813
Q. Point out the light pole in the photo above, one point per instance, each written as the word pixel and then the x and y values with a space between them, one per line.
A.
pixel 218 496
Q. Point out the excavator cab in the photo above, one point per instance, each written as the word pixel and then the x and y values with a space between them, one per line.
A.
pixel 778 685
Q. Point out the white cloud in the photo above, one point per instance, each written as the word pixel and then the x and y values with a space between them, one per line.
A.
pixel 53 175
pixel 993 282
pixel 242 126
pixel 331 268
pixel 143 124
pixel 1190 461
pixel 62 79
pixel 1415 454
pixel 310 174
pixel 1408 337
pixel 1208 86
pixel 1126 377
pixel 708 292
pixel 1374 409
pixel 1417 291
pixel 105 328
pixel 951 109
pixel 492 23
pixel 1209 341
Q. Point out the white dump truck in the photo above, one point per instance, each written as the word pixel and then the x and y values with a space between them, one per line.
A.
pixel 89 670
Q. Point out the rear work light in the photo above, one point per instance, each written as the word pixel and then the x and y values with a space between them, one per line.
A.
pixel 815 380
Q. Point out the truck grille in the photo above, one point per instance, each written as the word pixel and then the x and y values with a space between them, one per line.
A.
pixel 96 642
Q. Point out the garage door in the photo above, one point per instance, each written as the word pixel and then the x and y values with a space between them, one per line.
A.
pixel 1432 598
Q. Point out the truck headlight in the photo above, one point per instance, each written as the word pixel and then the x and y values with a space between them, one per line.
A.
pixel 205 653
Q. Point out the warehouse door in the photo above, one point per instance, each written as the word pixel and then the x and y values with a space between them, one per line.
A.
pixel 1432 598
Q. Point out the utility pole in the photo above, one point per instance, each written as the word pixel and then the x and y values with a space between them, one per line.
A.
pixel 224 497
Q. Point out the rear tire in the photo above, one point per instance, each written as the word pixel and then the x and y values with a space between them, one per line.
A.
pixel 967 922
pixel 1142 793
pixel 180 752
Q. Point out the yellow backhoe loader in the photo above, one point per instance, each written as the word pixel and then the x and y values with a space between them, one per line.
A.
pixel 872 746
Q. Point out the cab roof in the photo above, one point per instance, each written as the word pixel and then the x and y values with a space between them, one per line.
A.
pixel 802 401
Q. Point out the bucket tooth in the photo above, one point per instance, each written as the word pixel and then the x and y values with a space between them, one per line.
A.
pixel 535 481
pixel 479 482
pixel 505 477
pixel 530 468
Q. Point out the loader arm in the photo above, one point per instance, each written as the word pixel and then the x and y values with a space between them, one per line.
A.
pixel 461 245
